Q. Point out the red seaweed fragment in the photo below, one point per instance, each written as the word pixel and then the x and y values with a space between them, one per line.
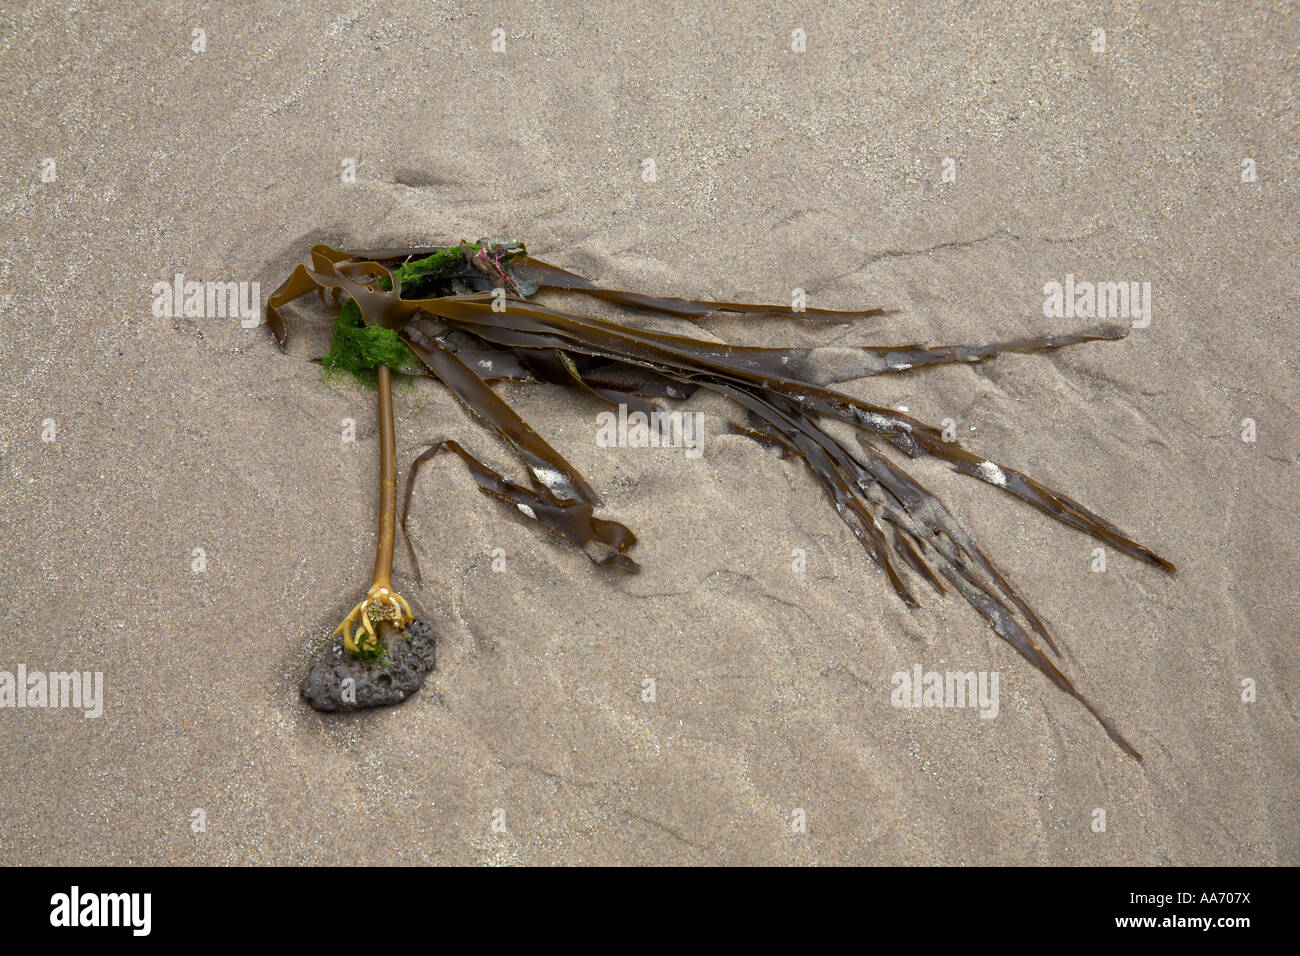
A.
pixel 465 312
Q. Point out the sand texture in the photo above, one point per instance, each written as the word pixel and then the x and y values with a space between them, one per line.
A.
pixel 774 169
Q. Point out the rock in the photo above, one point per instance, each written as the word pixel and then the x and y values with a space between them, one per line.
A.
pixel 409 661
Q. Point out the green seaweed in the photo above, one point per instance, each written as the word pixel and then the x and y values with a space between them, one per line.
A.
pixel 376 653
pixel 359 350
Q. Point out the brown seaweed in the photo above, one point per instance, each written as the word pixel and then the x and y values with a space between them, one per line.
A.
pixel 471 321
pixel 381 605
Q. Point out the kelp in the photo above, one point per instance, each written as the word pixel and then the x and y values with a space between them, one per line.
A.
pixel 466 316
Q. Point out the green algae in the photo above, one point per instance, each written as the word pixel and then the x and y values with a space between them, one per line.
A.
pixel 358 349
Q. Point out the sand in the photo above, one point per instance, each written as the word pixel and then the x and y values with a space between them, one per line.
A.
pixel 774 170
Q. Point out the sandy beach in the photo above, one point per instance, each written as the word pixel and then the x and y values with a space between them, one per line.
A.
pixel 183 515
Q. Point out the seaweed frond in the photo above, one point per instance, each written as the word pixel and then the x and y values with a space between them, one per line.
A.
pixel 380 294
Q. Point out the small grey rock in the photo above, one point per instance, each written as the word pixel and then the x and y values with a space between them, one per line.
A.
pixel 410 660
